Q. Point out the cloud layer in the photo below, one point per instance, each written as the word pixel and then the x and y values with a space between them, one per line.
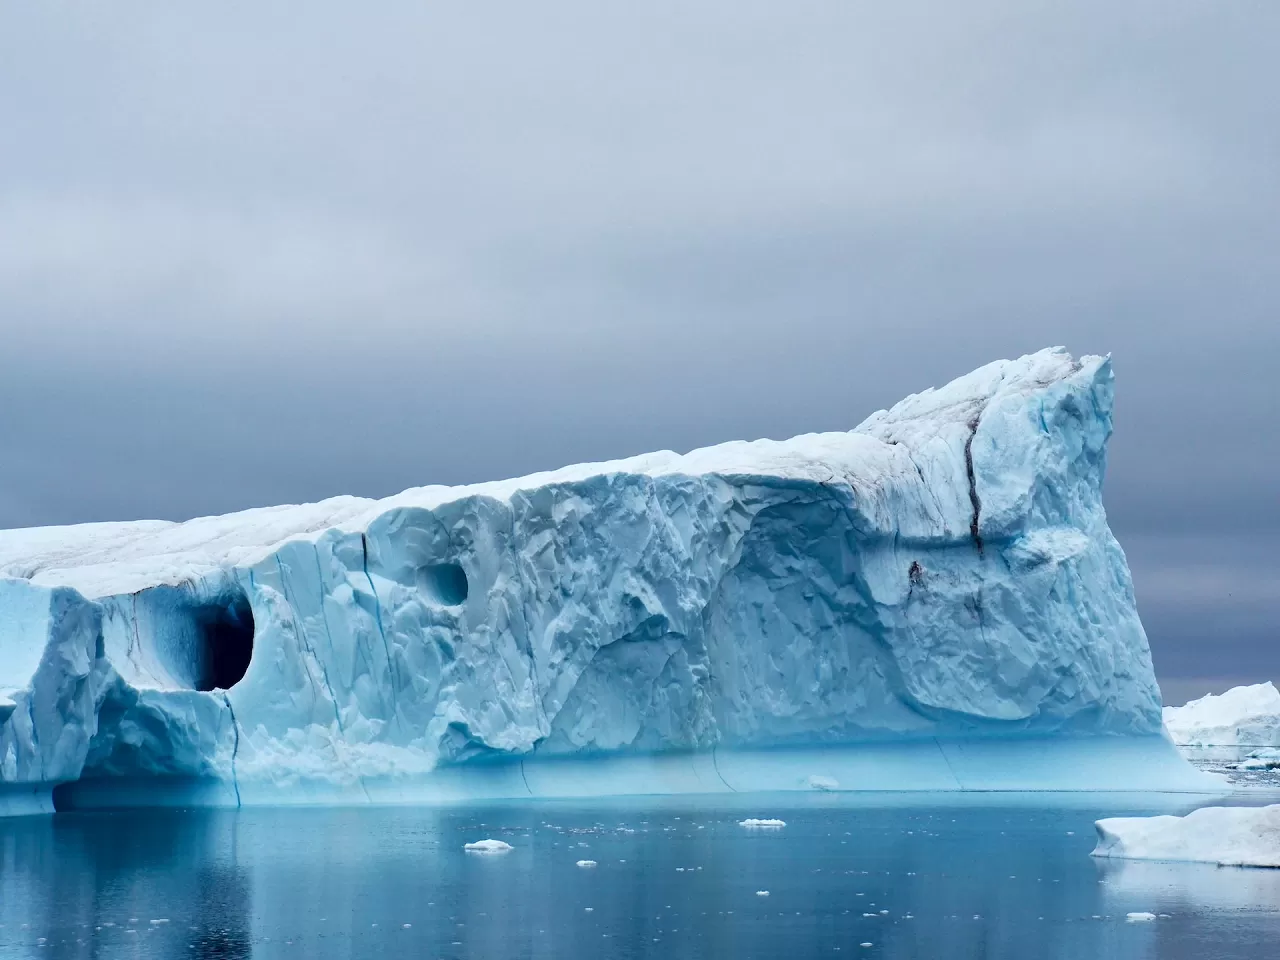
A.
pixel 253 254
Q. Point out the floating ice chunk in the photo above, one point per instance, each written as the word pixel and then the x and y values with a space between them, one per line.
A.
pixel 1140 916
pixel 752 823
pixel 1228 836
pixel 586 864
pixel 156 923
pixel 1257 763
pixel 488 846
pixel 762 893
pixel 865 944
pixel 817 782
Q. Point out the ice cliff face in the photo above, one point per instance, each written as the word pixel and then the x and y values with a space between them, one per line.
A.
pixel 944 571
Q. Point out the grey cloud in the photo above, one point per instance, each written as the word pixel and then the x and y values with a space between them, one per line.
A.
pixel 250 254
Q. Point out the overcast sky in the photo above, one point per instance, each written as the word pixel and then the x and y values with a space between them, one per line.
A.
pixel 259 252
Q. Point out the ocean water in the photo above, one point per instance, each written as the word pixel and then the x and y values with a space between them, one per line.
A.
pixel 987 876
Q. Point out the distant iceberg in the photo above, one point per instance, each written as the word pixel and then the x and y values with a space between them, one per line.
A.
pixel 1243 722
pixel 1227 836
pixel 931 601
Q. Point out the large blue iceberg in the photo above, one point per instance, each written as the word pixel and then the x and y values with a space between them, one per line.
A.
pixel 931 601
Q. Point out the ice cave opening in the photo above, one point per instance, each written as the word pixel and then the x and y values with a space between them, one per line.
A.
pixel 446 583
pixel 225 637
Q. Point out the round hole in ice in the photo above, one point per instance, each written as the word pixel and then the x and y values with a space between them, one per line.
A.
pixel 445 583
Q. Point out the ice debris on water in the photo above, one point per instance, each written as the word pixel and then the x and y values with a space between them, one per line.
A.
pixel 586 863
pixel 753 823
pixel 488 846
pixel 1140 916
pixel 762 893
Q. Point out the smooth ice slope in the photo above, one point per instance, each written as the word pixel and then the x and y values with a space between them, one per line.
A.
pixel 883 608
pixel 1244 720
pixel 1229 836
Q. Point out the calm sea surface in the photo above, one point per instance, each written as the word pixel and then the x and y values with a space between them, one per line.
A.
pixel 875 877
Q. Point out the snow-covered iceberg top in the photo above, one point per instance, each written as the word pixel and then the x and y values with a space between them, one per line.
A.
pixel 1229 836
pixel 1247 716
pixel 941 574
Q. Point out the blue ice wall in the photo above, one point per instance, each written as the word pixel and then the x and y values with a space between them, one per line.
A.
pixel 943 574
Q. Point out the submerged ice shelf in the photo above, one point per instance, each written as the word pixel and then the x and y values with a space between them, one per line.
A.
pixel 932 600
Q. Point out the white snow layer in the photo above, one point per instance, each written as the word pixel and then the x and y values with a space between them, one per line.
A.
pixel 1243 717
pixel 940 578
pixel 1229 836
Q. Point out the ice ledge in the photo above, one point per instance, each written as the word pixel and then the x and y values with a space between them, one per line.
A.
pixel 1227 836
pixel 1050 765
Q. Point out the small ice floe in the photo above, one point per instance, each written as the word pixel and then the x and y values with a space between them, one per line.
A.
pixel 762 893
pixel 156 923
pixel 818 782
pixel 586 864
pixel 753 823
pixel 1257 763
pixel 865 944
pixel 1140 916
pixel 1228 836
pixel 488 846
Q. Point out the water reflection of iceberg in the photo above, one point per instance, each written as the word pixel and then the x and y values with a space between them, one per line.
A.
pixel 1192 885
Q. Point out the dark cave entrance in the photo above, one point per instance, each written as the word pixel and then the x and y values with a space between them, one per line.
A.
pixel 445 583
pixel 225 637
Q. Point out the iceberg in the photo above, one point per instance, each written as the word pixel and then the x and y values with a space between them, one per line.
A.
pixel 930 601
pixel 1227 836
pixel 1243 722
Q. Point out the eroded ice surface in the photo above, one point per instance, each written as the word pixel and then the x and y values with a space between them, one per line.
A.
pixel 932 600
pixel 1229 836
